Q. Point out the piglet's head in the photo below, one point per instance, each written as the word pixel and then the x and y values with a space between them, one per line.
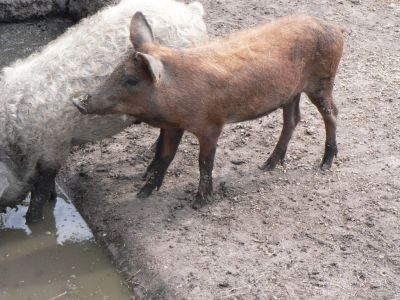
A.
pixel 132 85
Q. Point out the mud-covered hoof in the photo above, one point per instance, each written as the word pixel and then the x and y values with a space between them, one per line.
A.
pixel 268 166
pixel 32 218
pixel 201 200
pixel 331 151
pixel 325 166
pixel 149 173
pixel 145 191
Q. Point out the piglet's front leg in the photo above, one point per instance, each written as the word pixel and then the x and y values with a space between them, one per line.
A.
pixel 208 146
pixel 167 145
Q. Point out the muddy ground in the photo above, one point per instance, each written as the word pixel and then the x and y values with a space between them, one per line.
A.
pixel 295 233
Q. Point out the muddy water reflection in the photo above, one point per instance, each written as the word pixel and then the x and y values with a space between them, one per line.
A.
pixel 54 259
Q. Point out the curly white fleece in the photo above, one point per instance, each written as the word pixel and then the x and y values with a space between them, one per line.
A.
pixel 36 112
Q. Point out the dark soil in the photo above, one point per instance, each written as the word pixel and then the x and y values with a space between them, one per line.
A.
pixel 295 233
pixel 23 10
pixel 19 40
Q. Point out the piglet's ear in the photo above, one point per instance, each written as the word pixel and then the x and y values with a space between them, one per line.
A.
pixel 140 31
pixel 151 65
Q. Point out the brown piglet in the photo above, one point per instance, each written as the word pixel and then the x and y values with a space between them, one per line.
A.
pixel 245 76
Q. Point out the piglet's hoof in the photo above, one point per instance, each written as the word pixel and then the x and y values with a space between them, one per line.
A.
pixel 325 166
pixel 148 174
pixel 32 218
pixel 201 200
pixel 145 191
pixel 268 166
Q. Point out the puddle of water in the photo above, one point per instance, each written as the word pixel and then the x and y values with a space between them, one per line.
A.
pixel 54 259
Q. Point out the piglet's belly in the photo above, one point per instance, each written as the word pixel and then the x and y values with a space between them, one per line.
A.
pixel 246 111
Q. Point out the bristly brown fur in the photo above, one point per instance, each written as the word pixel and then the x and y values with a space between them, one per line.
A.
pixel 248 74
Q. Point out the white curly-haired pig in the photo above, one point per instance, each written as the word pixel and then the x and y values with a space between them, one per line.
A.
pixel 38 122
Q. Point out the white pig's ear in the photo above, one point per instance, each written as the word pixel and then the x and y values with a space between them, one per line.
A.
pixel 140 31
pixel 151 65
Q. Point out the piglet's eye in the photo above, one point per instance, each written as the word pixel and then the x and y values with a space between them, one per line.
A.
pixel 131 80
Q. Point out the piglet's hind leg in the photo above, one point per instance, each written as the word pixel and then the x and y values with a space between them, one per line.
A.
pixel 324 102
pixel 291 117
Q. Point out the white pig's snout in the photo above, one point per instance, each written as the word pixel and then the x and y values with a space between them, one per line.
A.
pixel 81 103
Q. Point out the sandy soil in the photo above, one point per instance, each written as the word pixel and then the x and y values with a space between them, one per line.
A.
pixel 295 233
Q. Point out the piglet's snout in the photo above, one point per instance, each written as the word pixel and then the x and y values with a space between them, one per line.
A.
pixel 81 103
